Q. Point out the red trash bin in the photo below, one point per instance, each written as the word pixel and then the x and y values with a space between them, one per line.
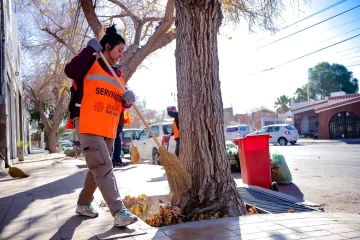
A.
pixel 255 160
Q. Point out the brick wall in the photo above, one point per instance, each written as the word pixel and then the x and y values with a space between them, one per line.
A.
pixel 325 117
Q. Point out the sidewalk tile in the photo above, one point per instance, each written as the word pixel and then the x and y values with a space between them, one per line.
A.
pixel 172 232
pixel 319 233
pixel 78 234
pixel 243 231
pixel 150 234
pixel 283 231
pixel 307 229
pixel 222 235
pixel 294 236
pixel 255 235
pixel 332 237
pixel 341 230
pixel 44 234
pixel 13 233
pixel 351 234
pixel 271 238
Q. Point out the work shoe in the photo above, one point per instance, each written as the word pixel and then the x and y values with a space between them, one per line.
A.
pixel 123 218
pixel 86 210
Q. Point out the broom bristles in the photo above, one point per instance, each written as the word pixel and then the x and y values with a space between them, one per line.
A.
pixel 179 179
pixel 17 173
pixel 135 156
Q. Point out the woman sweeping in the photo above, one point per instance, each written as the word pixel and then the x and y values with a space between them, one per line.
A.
pixel 95 107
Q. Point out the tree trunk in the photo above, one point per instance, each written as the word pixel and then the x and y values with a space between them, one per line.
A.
pixel 52 141
pixel 202 148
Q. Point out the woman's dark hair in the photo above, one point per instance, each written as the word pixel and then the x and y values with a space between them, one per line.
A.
pixel 111 37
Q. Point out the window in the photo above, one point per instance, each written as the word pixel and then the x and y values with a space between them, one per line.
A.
pixel 156 130
pixel 289 127
pixel 232 129
pixel 136 134
pixel 276 129
pixel 270 129
pixel 168 129
pixel 126 134
pixel 263 130
pixel 244 128
pixel 144 135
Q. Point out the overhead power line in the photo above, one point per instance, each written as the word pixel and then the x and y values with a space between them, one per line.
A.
pixel 349 53
pixel 322 10
pixel 295 59
pixel 340 25
pixel 348 49
pixel 349 58
pixel 341 34
pixel 353 65
pixel 309 27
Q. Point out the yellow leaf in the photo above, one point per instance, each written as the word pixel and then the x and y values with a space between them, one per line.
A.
pixel 230 38
pixel 147 3
pixel 15 1
pixel 173 30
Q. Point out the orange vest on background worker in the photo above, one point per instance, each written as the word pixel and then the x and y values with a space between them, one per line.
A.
pixel 176 130
pixel 101 104
pixel 127 118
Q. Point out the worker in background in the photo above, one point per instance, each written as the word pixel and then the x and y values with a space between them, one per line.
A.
pixel 173 113
pixel 95 107
pixel 124 120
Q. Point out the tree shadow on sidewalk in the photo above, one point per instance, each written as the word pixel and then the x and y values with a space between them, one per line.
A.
pixel 37 207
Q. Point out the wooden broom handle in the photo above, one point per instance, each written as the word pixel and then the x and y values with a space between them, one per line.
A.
pixel 133 104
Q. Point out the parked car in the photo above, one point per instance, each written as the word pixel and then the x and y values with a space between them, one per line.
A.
pixel 237 131
pixel 66 144
pixel 280 133
pixel 146 145
pixel 126 138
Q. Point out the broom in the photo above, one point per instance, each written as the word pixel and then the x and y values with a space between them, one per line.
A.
pixel 179 179
pixel 14 171
pixel 135 156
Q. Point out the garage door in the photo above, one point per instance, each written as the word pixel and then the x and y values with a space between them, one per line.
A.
pixel 344 125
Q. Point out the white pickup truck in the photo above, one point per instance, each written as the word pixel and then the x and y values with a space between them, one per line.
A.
pixel 146 145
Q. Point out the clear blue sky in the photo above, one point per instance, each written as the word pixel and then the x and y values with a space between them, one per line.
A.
pixel 240 59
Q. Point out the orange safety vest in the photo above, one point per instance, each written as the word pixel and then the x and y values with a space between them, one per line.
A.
pixel 101 103
pixel 127 118
pixel 176 130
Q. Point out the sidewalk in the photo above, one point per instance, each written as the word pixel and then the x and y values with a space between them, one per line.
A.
pixel 42 207
pixel 320 141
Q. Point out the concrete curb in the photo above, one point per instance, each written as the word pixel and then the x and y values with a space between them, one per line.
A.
pixel 329 142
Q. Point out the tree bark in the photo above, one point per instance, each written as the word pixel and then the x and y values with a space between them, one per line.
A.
pixel 52 140
pixel 202 148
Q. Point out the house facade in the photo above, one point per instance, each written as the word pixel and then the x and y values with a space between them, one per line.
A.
pixel 336 117
pixel 12 119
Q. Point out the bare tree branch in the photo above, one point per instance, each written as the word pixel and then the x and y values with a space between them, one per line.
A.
pixel 135 18
pixel 92 19
pixel 152 19
pixel 59 39
pixel 135 60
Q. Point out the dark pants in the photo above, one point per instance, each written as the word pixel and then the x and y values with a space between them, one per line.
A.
pixel 177 148
pixel 116 158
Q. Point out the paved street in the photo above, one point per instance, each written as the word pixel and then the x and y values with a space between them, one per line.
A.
pixel 327 174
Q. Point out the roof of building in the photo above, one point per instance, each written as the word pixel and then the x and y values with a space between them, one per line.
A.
pixel 338 99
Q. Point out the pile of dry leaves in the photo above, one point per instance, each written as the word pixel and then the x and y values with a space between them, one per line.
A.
pixel 167 215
